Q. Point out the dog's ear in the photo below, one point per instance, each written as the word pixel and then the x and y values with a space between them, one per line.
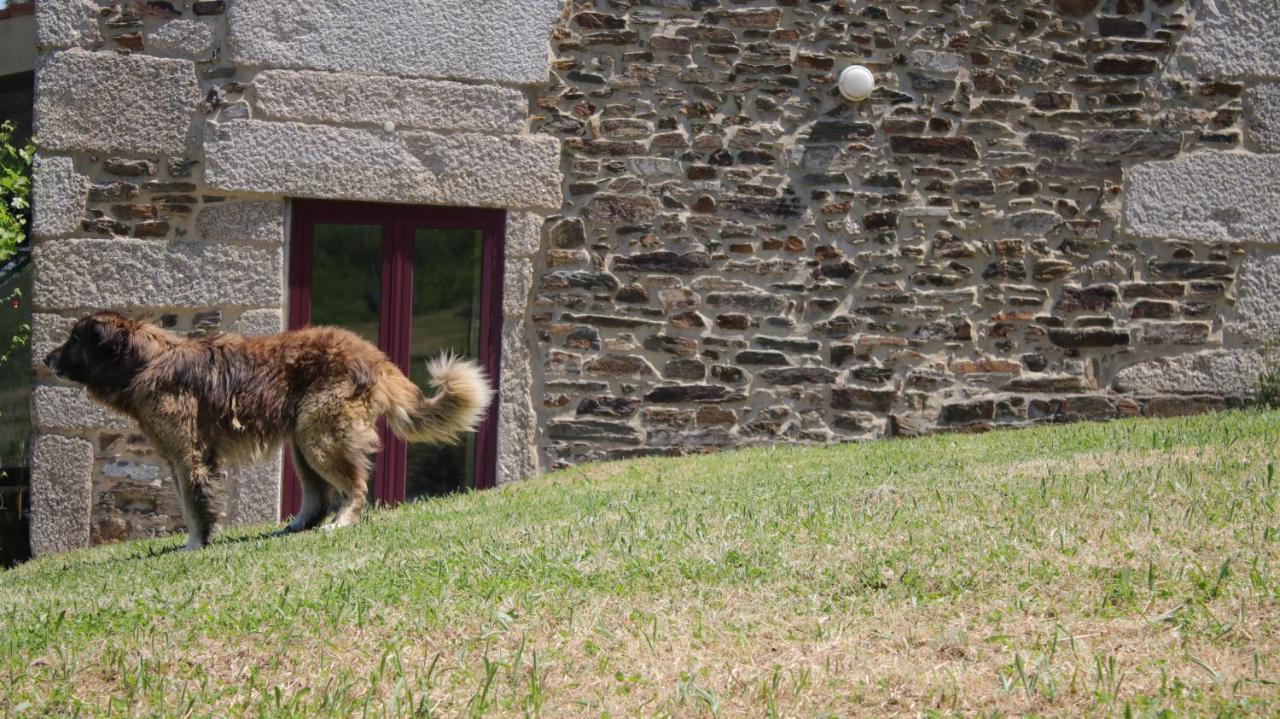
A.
pixel 110 333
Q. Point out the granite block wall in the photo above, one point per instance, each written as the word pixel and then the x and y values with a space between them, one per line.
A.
pixel 172 136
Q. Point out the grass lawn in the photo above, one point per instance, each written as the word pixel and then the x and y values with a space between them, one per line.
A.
pixel 1107 569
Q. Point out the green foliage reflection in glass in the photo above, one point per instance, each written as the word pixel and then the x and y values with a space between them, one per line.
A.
pixel 446 317
pixel 346 278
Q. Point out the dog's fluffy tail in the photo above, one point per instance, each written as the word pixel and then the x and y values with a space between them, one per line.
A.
pixel 462 396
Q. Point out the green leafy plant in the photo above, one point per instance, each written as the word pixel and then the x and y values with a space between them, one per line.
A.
pixel 15 191
pixel 1268 395
pixel 15 224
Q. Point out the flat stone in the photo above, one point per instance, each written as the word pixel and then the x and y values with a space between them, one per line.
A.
pixel 761 357
pixel 60 408
pixel 758 301
pixel 1174 333
pixel 67 23
pixel 48 331
pixel 130 273
pixel 1033 223
pixel 693 393
pixel 664 262
pixel 58 197
pixel 256 323
pixel 1240 38
pixel 192 39
pixel 253 491
pixel 1256 317
pixel 1095 298
pixel 863 399
pixel 131 471
pixel 963 412
pixel 1230 373
pixel 286 158
pixel 798 375
pixel 608 406
pixel 322 97
pixel 1088 337
pixel 61 493
pixel 612 365
pixel 594 430
pixel 242 221
pixel 1131 144
pixel 141 105
pixel 506 43
pixel 614 209
pixel 957 147
pixel 1264 116
pixel 1205 197
pixel 946 63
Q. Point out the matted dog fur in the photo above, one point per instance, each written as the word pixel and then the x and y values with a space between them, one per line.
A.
pixel 209 400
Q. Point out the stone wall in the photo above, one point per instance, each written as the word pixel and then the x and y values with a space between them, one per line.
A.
pixel 172 134
pixel 1048 211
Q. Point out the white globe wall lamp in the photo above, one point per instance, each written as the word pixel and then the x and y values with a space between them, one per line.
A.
pixel 856 83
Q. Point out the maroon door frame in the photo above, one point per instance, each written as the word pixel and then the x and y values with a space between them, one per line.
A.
pixel 398 223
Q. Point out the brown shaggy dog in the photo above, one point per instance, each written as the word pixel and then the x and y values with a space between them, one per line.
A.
pixel 204 401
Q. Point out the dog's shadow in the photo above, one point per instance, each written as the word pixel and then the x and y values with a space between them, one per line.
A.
pixel 152 552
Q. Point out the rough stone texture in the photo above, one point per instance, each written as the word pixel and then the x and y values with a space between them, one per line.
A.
pixel 1257 312
pixel 61 485
pixel 330 98
pixel 258 323
pixel 58 197
pixel 61 408
pixel 47 332
pixel 1206 197
pixel 132 273
pixel 1235 38
pixel 1264 116
pixel 357 164
pixel 66 23
pixel 253 490
pixel 140 104
pixel 506 43
pixel 745 258
pixel 188 38
pixel 1227 373
pixel 517 418
pixel 240 221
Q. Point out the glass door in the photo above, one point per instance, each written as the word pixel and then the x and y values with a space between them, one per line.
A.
pixel 416 281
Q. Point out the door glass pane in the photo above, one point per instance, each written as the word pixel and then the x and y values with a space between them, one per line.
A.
pixel 346 278
pixel 346 281
pixel 446 317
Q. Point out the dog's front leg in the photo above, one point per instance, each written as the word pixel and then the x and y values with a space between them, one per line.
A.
pixel 193 493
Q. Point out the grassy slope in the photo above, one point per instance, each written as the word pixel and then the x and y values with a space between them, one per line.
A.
pixel 1061 570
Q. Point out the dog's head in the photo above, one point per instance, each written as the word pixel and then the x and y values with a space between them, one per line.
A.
pixel 101 352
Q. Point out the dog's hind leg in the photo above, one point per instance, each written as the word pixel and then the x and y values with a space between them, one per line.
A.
pixel 193 476
pixel 341 457
pixel 316 496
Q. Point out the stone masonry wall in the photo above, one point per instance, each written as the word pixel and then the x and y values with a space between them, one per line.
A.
pixel 171 135
pixel 1048 211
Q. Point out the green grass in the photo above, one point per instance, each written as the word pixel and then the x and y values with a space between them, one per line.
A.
pixel 1125 569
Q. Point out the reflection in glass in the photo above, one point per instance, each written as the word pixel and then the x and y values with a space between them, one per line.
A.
pixel 346 278
pixel 446 317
